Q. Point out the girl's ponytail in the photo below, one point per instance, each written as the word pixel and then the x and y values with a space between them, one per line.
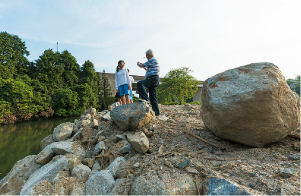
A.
pixel 117 69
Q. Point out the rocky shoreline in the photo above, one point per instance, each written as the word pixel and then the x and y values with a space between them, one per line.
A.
pixel 94 156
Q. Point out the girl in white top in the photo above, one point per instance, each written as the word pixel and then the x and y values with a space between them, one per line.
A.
pixel 122 82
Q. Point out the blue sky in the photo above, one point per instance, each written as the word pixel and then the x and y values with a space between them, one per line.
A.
pixel 208 36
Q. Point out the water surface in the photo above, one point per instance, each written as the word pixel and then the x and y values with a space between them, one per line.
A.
pixel 22 139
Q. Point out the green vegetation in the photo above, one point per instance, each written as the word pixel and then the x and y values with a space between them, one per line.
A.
pixel 177 87
pixel 54 85
pixel 294 84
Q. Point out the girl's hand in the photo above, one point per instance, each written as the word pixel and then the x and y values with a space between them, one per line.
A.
pixel 117 90
pixel 130 88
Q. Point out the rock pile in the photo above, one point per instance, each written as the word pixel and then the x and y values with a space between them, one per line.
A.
pixel 127 150
pixel 251 104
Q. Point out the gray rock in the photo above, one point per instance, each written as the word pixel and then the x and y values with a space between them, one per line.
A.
pixel 60 148
pixel 100 133
pixel 100 183
pixel 293 157
pixel 118 185
pixel 47 172
pixel 68 147
pixel 46 141
pixel 43 187
pixel 63 131
pixel 116 165
pixel 13 182
pixel 126 147
pixel 251 104
pixel 287 172
pixel 139 142
pixel 93 111
pixel 89 162
pixel 132 116
pixel 96 166
pixel 106 117
pixel 95 123
pixel 45 155
pixel 167 184
pixel 220 186
pixel 82 172
pixel 118 138
pixel 99 147
pixel 85 123
pixel 78 189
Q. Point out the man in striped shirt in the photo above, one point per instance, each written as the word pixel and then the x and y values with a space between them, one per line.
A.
pixel 151 82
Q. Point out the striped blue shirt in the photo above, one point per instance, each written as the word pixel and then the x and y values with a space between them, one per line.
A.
pixel 152 66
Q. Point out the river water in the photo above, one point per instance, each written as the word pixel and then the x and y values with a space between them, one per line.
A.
pixel 22 139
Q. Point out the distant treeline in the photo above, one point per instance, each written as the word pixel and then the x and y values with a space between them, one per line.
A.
pixel 53 85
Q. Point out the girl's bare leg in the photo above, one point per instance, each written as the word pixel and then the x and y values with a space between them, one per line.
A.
pixel 131 101
pixel 119 100
pixel 127 99
pixel 123 100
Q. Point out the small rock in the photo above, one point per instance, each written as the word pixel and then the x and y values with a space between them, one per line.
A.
pixel 116 165
pixel 286 164
pixel 126 147
pixel 82 172
pixel 163 118
pixel 136 165
pixel 101 138
pixel 139 142
pixel 93 111
pixel 100 133
pixel 263 173
pixel 293 157
pixel 99 147
pixel 183 164
pixel 89 162
pixel 252 174
pixel 191 170
pixel 96 166
pixel 106 117
pixel 118 138
pixel 160 151
pixel 287 172
pixel 95 123
pixel 117 186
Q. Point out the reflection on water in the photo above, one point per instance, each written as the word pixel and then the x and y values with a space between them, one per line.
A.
pixel 22 139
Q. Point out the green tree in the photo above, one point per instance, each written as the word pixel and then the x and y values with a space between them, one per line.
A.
pixel 105 95
pixel 13 56
pixel 294 84
pixel 177 85
pixel 71 68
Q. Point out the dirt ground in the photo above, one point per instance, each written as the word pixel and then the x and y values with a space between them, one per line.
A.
pixel 178 138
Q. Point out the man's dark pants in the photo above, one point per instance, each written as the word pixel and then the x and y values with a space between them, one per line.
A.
pixel 151 83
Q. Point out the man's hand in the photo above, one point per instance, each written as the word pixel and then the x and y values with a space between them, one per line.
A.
pixel 140 65
pixel 129 87
pixel 117 91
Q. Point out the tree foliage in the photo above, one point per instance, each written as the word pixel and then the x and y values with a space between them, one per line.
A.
pixel 54 84
pixel 177 85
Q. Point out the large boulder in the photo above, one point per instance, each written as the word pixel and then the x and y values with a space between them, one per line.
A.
pixel 63 131
pixel 59 148
pixel 47 172
pixel 100 183
pixel 18 175
pixel 251 104
pixel 166 184
pixel 132 116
